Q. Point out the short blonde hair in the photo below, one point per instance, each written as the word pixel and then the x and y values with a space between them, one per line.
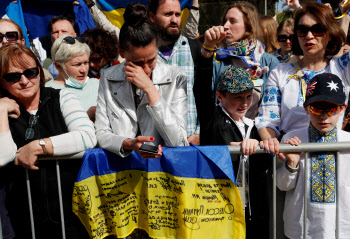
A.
pixel 62 51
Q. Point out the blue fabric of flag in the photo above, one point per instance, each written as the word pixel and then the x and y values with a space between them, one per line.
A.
pixel 15 13
pixel 207 162
pixel 83 17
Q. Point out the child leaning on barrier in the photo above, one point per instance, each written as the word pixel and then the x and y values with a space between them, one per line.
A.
pixel 226 124
pixel 324 103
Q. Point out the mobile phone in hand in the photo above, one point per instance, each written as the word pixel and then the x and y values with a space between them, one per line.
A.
pixel 149 148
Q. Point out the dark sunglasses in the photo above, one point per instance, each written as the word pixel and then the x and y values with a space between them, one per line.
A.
pixel 284 38
pixel 14 77
pixel 30 130
pixel 10 36
pixel 317 30
pixel 330 109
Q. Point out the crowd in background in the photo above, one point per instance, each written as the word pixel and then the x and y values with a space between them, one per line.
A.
pixel 248 81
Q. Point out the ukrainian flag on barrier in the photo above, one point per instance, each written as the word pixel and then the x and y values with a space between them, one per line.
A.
pixel 114 9
pixel 188 192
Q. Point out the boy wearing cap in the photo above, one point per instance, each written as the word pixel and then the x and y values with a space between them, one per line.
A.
pixel 226 124
pixel 324 103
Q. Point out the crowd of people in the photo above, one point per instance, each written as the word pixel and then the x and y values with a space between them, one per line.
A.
pixel 249 82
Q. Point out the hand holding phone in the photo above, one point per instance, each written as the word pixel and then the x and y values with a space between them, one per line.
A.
pixel 149 149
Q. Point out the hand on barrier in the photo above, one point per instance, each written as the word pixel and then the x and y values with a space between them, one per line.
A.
pixel 27 156
pixel 292 158
pixel 248 146
pixel 271 146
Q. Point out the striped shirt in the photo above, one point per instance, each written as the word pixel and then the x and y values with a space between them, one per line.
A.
pixel 181 57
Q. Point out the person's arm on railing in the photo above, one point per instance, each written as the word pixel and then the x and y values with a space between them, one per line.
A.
pixel 81 135
pixel 287 174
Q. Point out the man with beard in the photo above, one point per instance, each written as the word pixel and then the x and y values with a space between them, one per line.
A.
pixel 177 50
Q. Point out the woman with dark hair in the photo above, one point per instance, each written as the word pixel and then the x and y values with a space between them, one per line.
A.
pixel 35 121
pixel 317 37
pixel 240 39
pixel 104 50
pixel 140 100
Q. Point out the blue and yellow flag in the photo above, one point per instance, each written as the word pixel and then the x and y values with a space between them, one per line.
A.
pixel 188 192
pixel 114 9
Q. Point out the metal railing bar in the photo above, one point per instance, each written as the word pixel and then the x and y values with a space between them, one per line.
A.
pixel 308 147
pixel 30 205
pixel 60 198
pixel 0 229
pixel 274 197
pixel 337 219
pixel 306 165
pixel 234 149
pixel 64 157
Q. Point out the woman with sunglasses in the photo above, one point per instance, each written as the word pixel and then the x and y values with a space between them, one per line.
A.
pixel 285 39
pixel 36 120
pixel 70 55
pixel 10 32
pixel 317 37
pixel 239 42
pixel 140 100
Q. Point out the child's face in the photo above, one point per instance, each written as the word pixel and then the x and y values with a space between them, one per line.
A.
pixel 323 122
pixel 236 104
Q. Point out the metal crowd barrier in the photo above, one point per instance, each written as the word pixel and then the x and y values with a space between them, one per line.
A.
pixel 234 149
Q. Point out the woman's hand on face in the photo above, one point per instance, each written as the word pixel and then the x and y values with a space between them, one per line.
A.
pixel 136 143
pixel 136 75
pixel 27 155
pixel 10 106
pixel 293 4
pixel 214 35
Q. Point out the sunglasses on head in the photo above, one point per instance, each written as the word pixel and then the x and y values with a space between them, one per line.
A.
pixel 284 38
pixel 330 109
pixel 10 36
pixel 71 40
pixel 14 77
pixel 317 30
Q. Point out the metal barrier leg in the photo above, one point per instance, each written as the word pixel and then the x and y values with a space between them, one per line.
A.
pixel 0 229
pixel 274 197
pixel 306 162
pixel 337 166
pixel 60 198
pixel 30 205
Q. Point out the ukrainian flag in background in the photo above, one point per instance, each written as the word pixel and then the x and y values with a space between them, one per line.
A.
pixel 114 9
pixel 188 192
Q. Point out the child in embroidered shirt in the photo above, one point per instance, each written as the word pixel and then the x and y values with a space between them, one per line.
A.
pixel 324 103
pixel 226 124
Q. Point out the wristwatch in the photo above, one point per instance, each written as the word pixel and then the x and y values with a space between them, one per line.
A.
pixel 42 144
pixel 91 5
